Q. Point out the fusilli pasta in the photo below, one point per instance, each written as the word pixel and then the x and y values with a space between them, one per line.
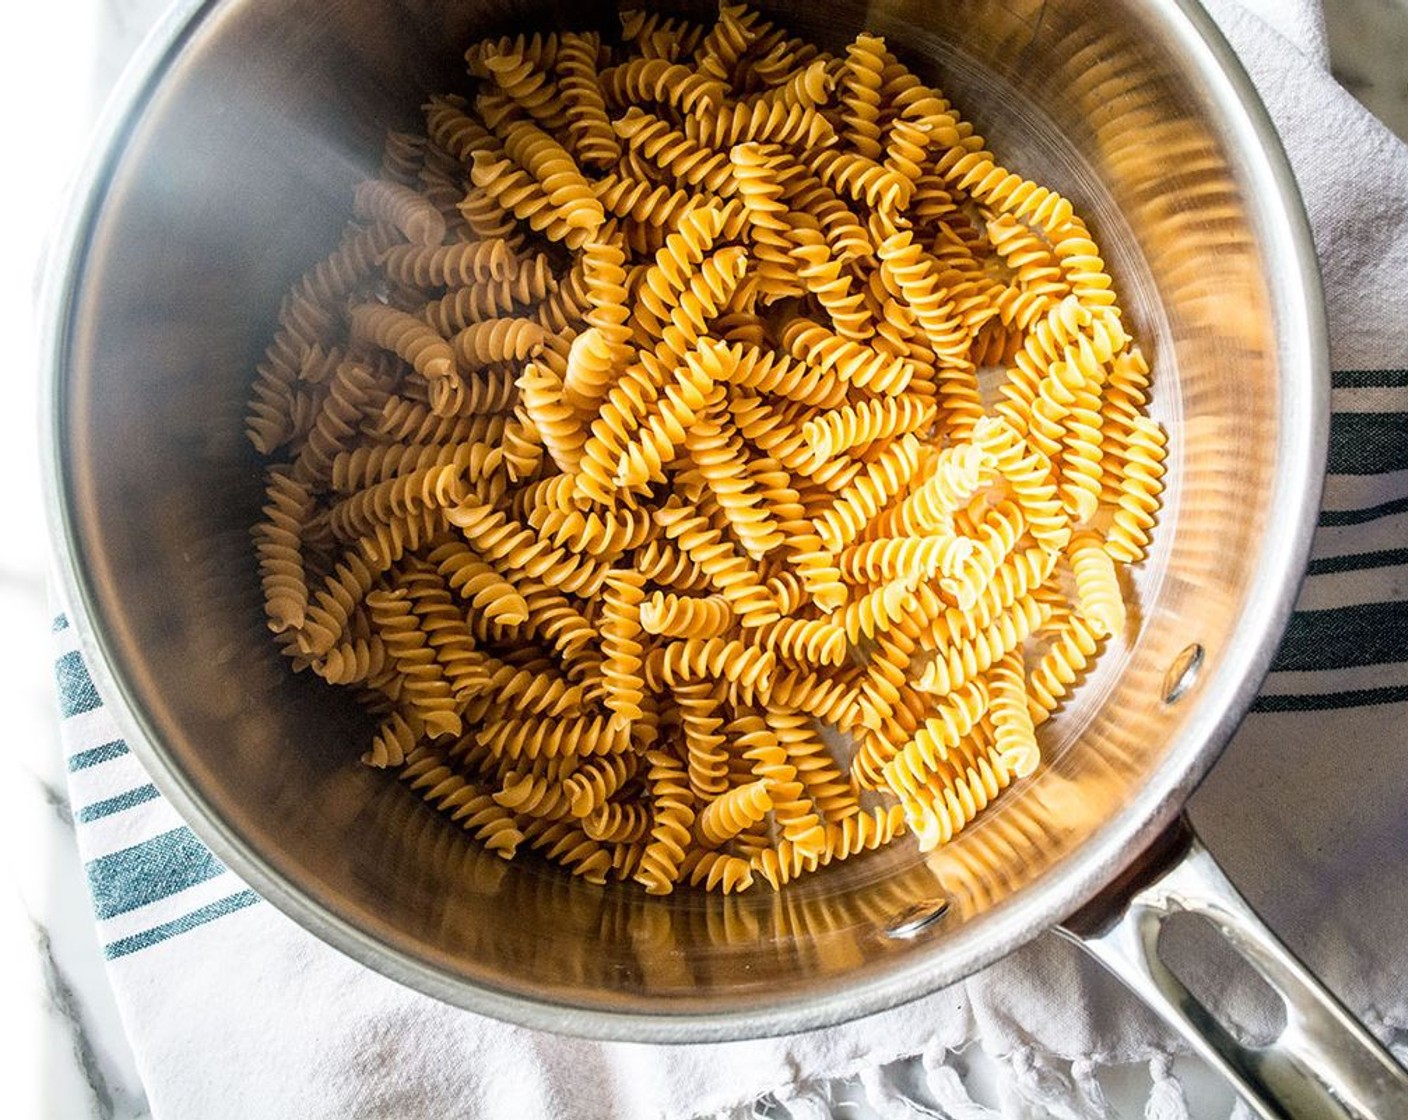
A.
pixel 679 398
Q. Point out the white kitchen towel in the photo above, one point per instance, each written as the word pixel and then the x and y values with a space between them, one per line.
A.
pixel 233 1011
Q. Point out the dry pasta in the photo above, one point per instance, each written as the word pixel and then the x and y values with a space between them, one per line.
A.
pixel 635 434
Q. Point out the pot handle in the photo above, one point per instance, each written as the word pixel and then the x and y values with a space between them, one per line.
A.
pixel 1324 1064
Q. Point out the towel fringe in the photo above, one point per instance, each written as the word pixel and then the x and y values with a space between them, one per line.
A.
pixel 890 1101
pixel 946 1086
pixel 802 1102
pixel 1084 1072
pixel 1166 1099
pixel 932 1085
pixel 1038 1082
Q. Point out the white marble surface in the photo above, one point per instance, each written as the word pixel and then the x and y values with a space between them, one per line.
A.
pixel 65 1053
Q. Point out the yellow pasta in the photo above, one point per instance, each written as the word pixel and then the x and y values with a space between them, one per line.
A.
pixel 277 544
pixel 730 813
pixel 757 185
pixel 557 173
pixel 679 616
pixel 721 564
pixel 793 810
pixel 525 83
pixel 1139 472
pixel 588 127
pixel 717 871
pixel 410 339
pixel 804 641
pixel 621 649
pixel 630 446
pixel 700 705
pixel 442 621
pixel 853 425
pixel 860 95
pixel 549 737
pixel 458 266
pixel 850 361
pixel 672 820
pixel 687 162
pixel 589 786
pixel 380 201
pixel 654 80
pixel 859 504
pixel 1014 735
pixel 691 659
pixel 762 121
pixel 1098 595
pixel 950 725
pixel 717 450
pixel 424 687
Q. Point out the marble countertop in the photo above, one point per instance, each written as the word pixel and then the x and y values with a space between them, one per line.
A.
pixel 66 1053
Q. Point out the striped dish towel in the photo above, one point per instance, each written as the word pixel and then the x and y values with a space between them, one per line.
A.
pixel 149 876
pixel 235 1012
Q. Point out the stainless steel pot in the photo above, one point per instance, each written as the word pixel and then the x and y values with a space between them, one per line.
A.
pixel 227 167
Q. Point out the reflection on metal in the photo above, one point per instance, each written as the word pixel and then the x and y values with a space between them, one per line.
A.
pixel 1183 673
pixel 915 919
pixel 1323 1063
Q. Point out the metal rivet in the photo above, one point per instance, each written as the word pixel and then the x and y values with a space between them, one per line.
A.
pixel 1183 673
pixel 913 920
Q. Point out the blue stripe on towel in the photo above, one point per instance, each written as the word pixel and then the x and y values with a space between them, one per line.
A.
pixel 108 806
pixel 183 924
pixel 1369 378
pixel 1331 518
pixel 149 871
pixel 92 757
pixel 1328 701
pixel 76 692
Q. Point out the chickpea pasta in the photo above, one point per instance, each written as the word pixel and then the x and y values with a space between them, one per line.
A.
pixel 682 397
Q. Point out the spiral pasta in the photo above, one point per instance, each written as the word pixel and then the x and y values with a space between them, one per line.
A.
pixel 459 265
pixel 377 200
pixel 278 547
pixel 748 668
pixel 858 504
pixel 410 339
pixel 860 80
pixel 673 818
pixel 588 127
pixel 732 812
pixel 589 786
pixel 853 425
pixel 851 362
pixel 717 450
pixel 1098 596
pixel 620 645
pixel 1138 462
pixel 533 737
pixel 680 616
pixel 441 620
pixel 686 162
pixel 658 81
pixel 725 569
pixel 700 707
pixel 793 810
pixel 424 686
pixel 678 401
pixel 804 641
